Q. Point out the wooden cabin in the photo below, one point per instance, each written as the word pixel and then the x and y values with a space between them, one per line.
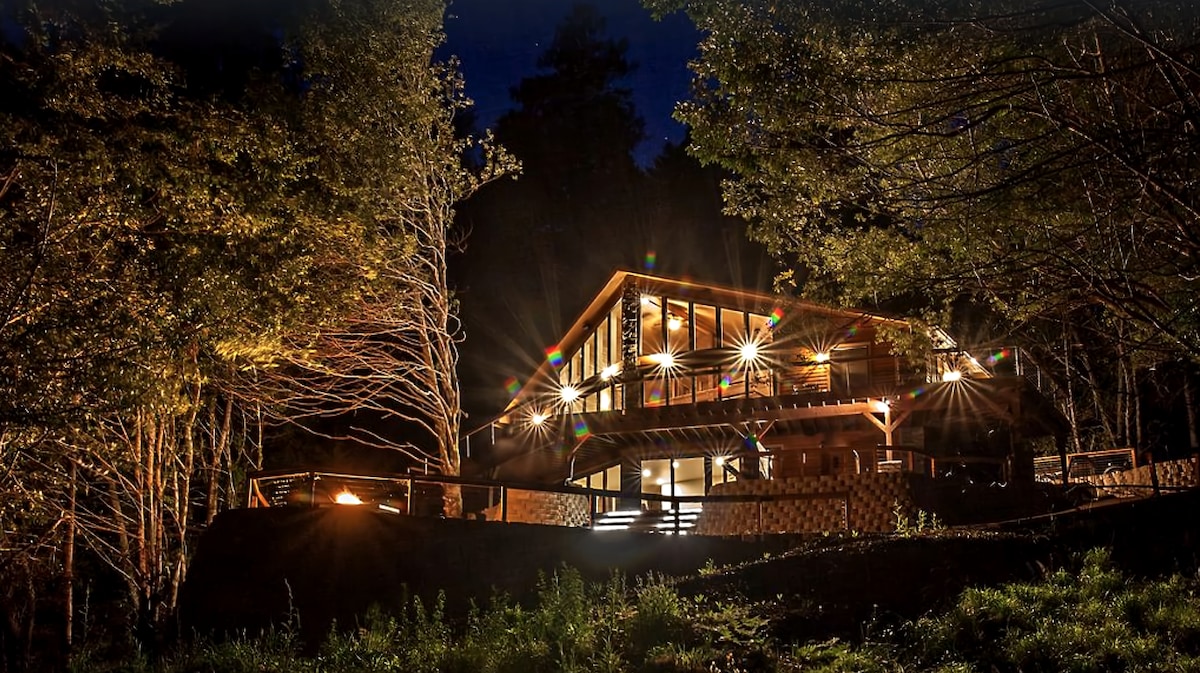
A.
pixel 678 388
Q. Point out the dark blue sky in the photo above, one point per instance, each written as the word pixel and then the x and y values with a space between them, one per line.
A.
pixel 499 42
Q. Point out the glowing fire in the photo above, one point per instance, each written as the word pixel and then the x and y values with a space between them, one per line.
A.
pixel 347 498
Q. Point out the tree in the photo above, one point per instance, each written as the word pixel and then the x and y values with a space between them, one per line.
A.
pixel 196 248
pixel 574 131
pixel 1034 156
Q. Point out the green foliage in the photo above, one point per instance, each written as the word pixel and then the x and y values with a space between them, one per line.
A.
pixel 835 656
pixel 922 524
pixel 189 254
pixel 1094 619
pixel 660 619
pixel 1031 156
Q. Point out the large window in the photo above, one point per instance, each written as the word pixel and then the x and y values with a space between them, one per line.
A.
pixel 603 480
pixel 599 356
pixel 673 477
pixel 669 332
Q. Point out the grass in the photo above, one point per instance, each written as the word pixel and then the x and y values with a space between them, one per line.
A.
pixel 1091 619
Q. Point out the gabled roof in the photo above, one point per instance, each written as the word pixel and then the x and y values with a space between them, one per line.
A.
pixel 707 293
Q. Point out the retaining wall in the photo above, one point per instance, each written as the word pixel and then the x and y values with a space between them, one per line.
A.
pixel 862 502
pixel 1171 474
pixel 552 509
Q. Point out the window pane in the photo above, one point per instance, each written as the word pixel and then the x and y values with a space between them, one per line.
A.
pixel 651 325
pixel 656 478
pixel 705 331
pixel 733 335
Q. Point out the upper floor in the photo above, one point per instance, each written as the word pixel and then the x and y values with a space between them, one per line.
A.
pixel 652 342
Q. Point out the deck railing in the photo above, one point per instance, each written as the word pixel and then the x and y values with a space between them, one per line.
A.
pixel 421 495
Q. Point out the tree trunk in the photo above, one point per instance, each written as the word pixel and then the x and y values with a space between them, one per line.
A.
pixel 1189 401
pixel 69 566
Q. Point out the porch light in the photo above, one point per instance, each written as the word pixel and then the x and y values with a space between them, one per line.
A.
pixel 748 351
pixel 952 376
pixel 537 418
pixel 347 498
pixel 664 360
pixel 568 394
pixel 719 461
pixel 609 371
pixel 821 357
pixel 881 406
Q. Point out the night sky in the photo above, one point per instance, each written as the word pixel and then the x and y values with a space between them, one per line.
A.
pixel 499 42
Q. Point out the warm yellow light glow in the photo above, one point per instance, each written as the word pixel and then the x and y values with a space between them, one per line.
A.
pixel 660 482
pixel 568 394
pixel 646 472
pixel 646 300
pixel 881 406
pixel 821 357
pixel 537 418
pixel 664 360
pixel 675 464
pixel 748 351
pixel 719 461
pixel 609 371
pixel 674 323
pixel 347 498
pixel 951 375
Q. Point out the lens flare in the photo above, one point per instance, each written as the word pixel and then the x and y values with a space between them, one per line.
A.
pixel 775 317
pixel 581 430
pixel 1003 354
pixel 554 356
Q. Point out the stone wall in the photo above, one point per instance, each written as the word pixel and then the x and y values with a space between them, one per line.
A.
pixel 1171 474
pixel 862 502
pixel 552 509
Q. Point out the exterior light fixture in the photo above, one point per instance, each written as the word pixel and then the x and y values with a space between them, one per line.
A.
pixel 646 300
pixel 537 418
pixel 881 406
pixel 664 360
pixel 719 461
pixel 951 376
pixel 821 357
pixel 568 394
pixel 347 498
pixel 748 351
pixel 609 371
